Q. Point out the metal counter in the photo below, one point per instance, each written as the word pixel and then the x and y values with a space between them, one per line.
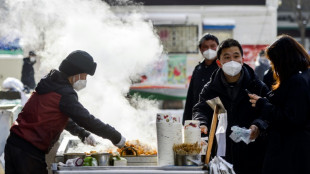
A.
pixel 135 165
pixel 132 169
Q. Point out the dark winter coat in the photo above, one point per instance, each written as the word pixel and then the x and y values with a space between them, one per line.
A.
pixel 201 75
pixel 268 78
pixel 28 73
pixel 288 112
pixel 245 158
pixel 53 107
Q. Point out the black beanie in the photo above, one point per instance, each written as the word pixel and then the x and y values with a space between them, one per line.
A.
pixel 78 62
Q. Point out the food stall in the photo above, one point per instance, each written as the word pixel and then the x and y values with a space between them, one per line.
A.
pixel 135 163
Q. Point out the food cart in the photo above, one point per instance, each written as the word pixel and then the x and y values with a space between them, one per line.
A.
pixel 135 164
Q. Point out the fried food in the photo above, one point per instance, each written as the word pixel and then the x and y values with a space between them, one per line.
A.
pixel 141 148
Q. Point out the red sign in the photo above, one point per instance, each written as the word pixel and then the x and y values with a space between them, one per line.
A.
pixel 250 53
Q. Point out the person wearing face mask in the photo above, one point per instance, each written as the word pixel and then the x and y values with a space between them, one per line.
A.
pixel 261 65
pixel 287 108
pixel 229 83
pixel 53 107
pixel 28 71
pixel 202 72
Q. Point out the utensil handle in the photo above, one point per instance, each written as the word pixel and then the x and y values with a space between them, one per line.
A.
pixel 212 133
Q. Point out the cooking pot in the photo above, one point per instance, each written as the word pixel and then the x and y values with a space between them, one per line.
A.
pixel 102 158
pixel 187 160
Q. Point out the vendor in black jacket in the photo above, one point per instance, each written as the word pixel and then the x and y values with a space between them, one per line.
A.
pixel 229 83
pixel 53 107
pixel 202 73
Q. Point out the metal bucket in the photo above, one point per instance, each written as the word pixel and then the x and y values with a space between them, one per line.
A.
pixel 102 158
pixel 73 155
pixel 187 160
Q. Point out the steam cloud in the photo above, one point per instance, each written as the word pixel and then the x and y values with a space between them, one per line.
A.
pixel 121 47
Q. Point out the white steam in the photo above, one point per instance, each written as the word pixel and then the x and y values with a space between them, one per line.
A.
pixel 121 48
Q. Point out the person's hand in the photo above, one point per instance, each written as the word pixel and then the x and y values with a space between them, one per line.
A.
pixel 253 99
pixel 121 143
pixel 204 129
pixel 90 140
pixel 254 132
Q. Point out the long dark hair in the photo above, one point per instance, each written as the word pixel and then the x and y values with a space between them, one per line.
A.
pixel 287 57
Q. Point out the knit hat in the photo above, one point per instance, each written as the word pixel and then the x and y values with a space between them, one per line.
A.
pixel 32 53
pixel 78 62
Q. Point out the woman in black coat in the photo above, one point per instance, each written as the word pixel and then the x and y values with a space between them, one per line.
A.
pixel 287 109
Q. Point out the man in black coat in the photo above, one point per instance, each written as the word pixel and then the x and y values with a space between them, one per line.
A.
pixel 202 72
pixel 28 71
pixel 229 83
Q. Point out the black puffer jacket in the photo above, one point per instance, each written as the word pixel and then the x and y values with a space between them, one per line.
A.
pixel 79 117
pixel 245 158
pixel 201 76
pixel 288 112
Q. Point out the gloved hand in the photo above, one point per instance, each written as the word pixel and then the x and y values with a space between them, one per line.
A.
pixel 90 140
pixel 121 143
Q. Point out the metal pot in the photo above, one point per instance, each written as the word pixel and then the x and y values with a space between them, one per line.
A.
pixel 102 158
pixel 187 160
pixel 73 155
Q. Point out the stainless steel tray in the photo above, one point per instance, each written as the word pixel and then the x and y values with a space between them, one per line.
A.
pixel 133 169
pixel 142 160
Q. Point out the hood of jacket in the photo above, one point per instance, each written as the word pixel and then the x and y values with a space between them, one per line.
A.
pixel 53 81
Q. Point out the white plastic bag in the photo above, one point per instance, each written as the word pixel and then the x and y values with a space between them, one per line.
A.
pixel 221 134
pixel 74 162
pixel 219 166
pixel 240 134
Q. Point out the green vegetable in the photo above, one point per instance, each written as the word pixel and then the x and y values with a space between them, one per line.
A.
pixel 90 161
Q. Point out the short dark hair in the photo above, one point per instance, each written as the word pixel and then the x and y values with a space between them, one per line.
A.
pixel 227 44
pixel 208 36
pixel 287 57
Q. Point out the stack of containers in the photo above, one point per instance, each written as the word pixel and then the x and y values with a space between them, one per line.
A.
pixel 192 133
pixel 169 132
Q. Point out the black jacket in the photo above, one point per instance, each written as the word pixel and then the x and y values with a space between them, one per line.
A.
pixel 288 112
pixel 28 73
pixel 201 75
pixel 80 118
pixel 245 158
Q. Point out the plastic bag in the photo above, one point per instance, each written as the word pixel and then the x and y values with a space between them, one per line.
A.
pixel 74 162
pixel 221 134
pixel 219 166
pixel 240 134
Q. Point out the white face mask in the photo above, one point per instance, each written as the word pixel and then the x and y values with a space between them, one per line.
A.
pixel 209 54
pixel 32 59
pixel 79 84
pixel 232 68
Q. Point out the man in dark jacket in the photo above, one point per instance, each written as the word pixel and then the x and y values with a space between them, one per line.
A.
pixel 229 83
pixel 54 106
pixel 202 72
pixel 28 71
pixel 262 65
